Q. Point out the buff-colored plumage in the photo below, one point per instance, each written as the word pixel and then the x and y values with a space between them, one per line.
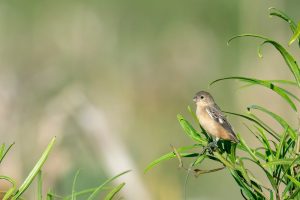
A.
pixel 211 117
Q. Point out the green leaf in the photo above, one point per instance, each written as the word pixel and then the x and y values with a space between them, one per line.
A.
pixel 285 17
pixel 295 181
pixel 98 189
pixel 265 140
pixel 294 194
pixel 249 150
pixel 282 15
pixel 190 131
pixel 244 187
pixel 288 58
pixel 169 156
pixel 82 192
pixel 278 162
pixel 279 119
pixel 296 35
pixel 199 160
pixel 256 122
pixel 281 146
pixel 35 170
pixel 12 190
pixel 287 189
pixel 280 91
pixel 40 185
pixel 3 152
pixel 269 176
pixel 197 122
pixel 296 160
pixel 244 172
pixel 114 191
pixel 73 197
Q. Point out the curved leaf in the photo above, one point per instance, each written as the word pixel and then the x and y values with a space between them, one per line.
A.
pixel 190 131
pixel 295 181
pixel 279 162
pixel 280 91
pixel 98 189
pixel 10 192
pixel 279 119
pixel 270 177
pixel 256 122
pixel 296 35
pixel 35 170
pixel 4 151
pixel 114 191
pixel 169 156
pixel 285 17
pixel 288 58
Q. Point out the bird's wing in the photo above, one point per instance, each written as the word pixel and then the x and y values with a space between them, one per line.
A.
pixel 216 114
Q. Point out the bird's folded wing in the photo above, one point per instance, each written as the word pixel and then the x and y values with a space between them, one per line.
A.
pixel 216 114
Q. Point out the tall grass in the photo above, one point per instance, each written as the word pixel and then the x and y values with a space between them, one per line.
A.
pixel 16 192
pixel 278 153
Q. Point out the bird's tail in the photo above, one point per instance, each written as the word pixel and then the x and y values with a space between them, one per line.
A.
pixel 234 139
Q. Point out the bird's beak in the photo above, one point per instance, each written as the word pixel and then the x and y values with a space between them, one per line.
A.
pixel 195 99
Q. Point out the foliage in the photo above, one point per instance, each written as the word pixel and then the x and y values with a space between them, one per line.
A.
pixel 16 192
pixel 278 153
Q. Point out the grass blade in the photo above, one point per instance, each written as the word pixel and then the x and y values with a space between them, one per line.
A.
pixel 295 181
pixel 12 190
pixel 98 189
pixel 115 191
pixel 256 122
pixel 40 185
pixel 279 119
pixel 285 17
pixel 3 152
pixel 296 35
pixel 280 91
pixel 34 171
pixel 73 197
pixel 190 131
pixel 279 162
pixel 169 156
pixel 288 58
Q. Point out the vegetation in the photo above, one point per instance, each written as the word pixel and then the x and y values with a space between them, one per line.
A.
pixel 16 192
pixel 277 155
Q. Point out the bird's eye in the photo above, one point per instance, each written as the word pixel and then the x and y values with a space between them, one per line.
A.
pixel 201 97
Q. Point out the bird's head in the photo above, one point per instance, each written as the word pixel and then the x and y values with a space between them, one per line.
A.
pixel 203 98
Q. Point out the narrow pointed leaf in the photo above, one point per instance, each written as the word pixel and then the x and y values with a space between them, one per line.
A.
pixel 190 131
pixel 98 189
pixel 280 91
pixel 169 156
pixel 279 119
pixel 285 17
pixel 254 121
pixel 296 35
pixel 114 192
pixel 35 170
pixel 288 58
pixel 295 181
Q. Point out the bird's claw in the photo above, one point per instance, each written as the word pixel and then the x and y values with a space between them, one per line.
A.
pixel 211 147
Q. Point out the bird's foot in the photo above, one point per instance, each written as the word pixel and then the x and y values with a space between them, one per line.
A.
pixel 212 146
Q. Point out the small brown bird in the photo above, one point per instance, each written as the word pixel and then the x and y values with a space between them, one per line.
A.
pixel 212 119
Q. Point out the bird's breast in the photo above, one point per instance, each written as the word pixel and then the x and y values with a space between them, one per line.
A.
pixel 210 125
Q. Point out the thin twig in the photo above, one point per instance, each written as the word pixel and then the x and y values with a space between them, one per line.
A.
pixel 200 171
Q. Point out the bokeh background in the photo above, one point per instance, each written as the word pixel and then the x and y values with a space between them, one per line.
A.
pixel 108 78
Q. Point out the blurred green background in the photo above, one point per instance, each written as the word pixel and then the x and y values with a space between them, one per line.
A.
pixel 108 78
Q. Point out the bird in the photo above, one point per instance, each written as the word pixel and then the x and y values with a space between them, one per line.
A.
pixel 212 120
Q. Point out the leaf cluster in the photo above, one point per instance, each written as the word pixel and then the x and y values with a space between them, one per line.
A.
pixel 16 192
pixel 277 155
